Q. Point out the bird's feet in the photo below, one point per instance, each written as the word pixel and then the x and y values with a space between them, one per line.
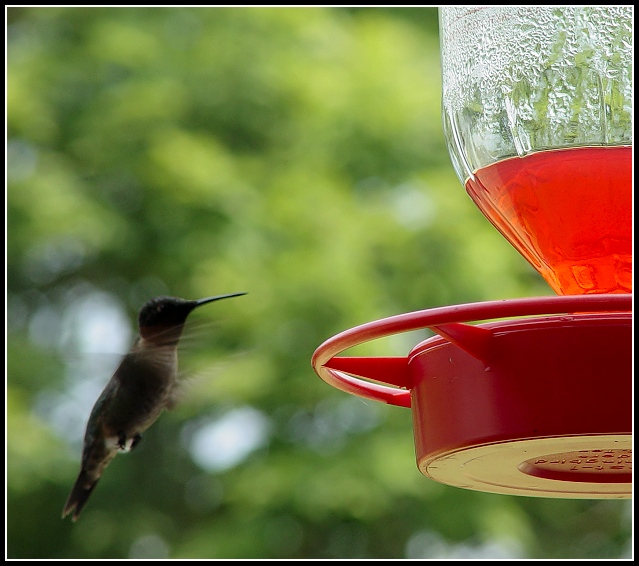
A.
pixel 126 444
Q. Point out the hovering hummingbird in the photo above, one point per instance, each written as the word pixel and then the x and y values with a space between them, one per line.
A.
pixel 141 388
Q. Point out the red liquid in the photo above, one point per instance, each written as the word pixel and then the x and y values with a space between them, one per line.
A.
pixel 568 212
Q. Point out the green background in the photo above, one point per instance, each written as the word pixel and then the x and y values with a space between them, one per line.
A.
pixel 296 154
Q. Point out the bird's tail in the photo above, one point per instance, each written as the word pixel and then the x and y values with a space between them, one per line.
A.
pixel 83 487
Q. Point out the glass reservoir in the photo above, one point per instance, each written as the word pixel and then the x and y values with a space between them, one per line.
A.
pixel 537 111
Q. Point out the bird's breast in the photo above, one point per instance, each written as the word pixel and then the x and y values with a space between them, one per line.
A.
pixel 144 382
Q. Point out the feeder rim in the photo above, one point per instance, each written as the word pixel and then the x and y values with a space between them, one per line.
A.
pixel 430 318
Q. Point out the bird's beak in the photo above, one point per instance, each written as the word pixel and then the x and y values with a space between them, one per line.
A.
pixel 201 302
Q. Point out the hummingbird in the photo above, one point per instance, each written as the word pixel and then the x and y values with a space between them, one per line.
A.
pixel 143 385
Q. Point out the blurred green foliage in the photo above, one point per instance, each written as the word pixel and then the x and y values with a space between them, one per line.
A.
pixel 293 153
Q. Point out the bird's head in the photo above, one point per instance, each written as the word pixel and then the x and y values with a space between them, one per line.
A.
pixel 161 319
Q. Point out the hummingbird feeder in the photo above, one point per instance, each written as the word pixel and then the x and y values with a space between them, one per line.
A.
pixel 534 397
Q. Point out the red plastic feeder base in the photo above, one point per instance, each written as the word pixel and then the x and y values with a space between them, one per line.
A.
pixel 538 406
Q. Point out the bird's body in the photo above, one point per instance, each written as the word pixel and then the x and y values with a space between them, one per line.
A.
pixel 143 385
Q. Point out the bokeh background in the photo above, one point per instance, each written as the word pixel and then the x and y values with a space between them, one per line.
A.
pixel 296 154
